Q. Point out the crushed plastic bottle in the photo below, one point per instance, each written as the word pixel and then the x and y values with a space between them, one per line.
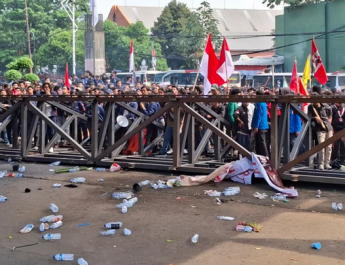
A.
pixel 195 239
pixel 51 170
pixel 123 195
pixel 227 218
pixel 124 209
pixel 18 175
pixel 56 225
pixel 212 193
pixel 27 228
pixel 101 180
pixel 340 206
pixel 51 219
pixel 279 197
pixel 78 180
pixel 100 169
pixel 337 206
pixel 55 163
pixel 127 203
pixel 52 236
pixel 56 185
pixel 127 232
pixel 65 257
pixel 113 225
pixel 3 199
pixel 247 229
pixel 82 261
pixel 54 208
pixel 21 169
pixel 73 170
pixel 231 191
pixel 154 186
pixel 3 174
pixel 144 183
pixel 108 232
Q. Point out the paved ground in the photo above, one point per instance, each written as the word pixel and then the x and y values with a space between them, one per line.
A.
pixel 287 233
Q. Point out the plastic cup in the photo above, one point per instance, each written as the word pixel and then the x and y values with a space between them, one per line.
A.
pixel 15 167
pixel 316 245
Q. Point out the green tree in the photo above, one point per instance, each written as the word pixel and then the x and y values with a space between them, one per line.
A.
pixel 44 17
pixel 31 77
pixel 58 49
pixel 209 24
pixel 12 75
pixel 167 27
pixel 274 3
pixel 117 45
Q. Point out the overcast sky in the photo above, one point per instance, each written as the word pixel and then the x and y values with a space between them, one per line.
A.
pixel 104 6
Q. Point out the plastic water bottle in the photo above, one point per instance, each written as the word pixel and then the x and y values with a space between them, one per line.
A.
pixel 56 225
pixel 3 199
pixel 128 204
pixel 21 169
pixel 154 186
pixel 247 229
pixel 231 191
pixel 108 232
pixel 340 206
pixel 127 232
pixel 82 261
pixel 3 174
pixel 66 257
pixel 195 239
pixel 54 208
pixel 100 169
pixel 51 219
pixel 122 195
pixel 52 236
pixel 18 175
pixel 143 183
pixel 42 227
pixel 113 225
pixel 133 200
pixel 78 180
pixel 279 197
pixel 101 180
pixel 72 170
pixel 56 185
pixel 124 209
pixel 228 218
pixel 55 163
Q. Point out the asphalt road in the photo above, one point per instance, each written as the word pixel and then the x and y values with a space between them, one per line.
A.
pixel 287 233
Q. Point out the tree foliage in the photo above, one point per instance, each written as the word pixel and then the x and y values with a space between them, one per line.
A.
pixel 12 75
pixel 117 45
pixel 58 49
pixel 183 33
pixel 21 64
pixel 274 3
pixel 168 25
pixel 31 77
pixel 44 17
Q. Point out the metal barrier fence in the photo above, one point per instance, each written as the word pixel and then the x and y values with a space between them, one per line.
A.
pixel 27 118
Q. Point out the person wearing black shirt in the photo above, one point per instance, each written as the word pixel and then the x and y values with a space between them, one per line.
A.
pixel 338 124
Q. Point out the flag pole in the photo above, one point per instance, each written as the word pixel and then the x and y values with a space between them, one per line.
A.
pixel 311 66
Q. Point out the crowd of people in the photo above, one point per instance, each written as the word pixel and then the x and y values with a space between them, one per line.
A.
pixel 249 123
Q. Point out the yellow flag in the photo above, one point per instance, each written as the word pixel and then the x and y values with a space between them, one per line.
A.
pixel 306 73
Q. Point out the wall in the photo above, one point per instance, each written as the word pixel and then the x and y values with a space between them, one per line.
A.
pixel 320 17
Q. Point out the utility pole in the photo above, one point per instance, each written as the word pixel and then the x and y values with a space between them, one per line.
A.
pixel 71 14
pixel 28 30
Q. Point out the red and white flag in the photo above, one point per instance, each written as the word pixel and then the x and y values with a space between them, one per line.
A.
pixel 226 65
pixel 319 69
pixel 131 62
pixel 209 66
pixel 154 59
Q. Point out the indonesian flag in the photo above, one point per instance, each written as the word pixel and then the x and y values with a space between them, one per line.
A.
pixel 154 59
pixel 295 82
pixel 319 69
pixel 209 66
pixel 226 65
pixel 66 76
pixel 131 63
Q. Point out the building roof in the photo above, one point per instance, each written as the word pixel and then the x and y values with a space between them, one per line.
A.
pixel 232 22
